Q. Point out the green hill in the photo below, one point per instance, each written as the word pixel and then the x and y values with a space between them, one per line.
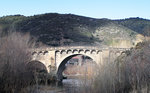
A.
pixel 139 25
pixel 67 29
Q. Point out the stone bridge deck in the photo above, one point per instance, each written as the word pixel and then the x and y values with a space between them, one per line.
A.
pixel 77 47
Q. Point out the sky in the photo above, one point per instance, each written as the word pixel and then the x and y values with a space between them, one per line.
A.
pixel 112 9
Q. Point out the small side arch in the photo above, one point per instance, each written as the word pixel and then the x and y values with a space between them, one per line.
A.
pixel 45 52
pixel 63 51
pixel 93 51
pixel 40 52
pixel 75 51
pixel 69 51
pixel 33 53
pixel 57 51
pixel 81 51
pixel 99 51
pixel 37 66
pixel 87 51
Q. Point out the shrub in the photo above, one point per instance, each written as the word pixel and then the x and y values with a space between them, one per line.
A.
pixel 14 55
pixel 130 73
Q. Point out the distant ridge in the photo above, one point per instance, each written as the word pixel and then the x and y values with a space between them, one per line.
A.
pixel 55 29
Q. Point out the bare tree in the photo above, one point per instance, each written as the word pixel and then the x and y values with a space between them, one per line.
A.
pixel 14 55
pixel 130 73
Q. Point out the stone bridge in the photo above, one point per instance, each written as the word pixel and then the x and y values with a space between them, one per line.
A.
pixel 55 58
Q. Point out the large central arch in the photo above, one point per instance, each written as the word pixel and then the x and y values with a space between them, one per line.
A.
pixel 61 67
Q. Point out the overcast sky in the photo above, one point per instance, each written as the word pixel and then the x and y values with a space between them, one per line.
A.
pixel 113 9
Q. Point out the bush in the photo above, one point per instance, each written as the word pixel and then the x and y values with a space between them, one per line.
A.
pixel 14 55
pixel 136 68
pixel 130 73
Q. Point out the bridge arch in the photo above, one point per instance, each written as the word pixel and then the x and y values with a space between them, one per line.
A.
pixel 61 66
pixel 87 51
pixel 63 51
pixel 36 65
pixel 45 52
pixel 69 51
pixel 93 51
pixel 75 51
pixel 81 51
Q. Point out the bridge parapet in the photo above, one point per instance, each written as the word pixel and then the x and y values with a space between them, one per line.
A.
pixel 76 47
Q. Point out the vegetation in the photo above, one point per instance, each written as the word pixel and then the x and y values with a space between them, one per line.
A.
pixel 16 69
pixel 135 65
pixel 130 73
pixel 138 25
pixel 67 29
pixel 13 59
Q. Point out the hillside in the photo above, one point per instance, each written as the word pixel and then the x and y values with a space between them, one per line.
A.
pixel 67 29
pixel 140 25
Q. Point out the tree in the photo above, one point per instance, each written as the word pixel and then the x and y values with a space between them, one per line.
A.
pixel 14 55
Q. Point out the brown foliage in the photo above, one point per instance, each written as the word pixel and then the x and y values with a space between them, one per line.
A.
pixel 14 55
pixel 130 73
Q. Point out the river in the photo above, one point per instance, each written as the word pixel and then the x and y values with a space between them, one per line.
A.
pixel 68 86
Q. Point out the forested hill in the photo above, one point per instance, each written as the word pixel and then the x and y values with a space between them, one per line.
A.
pixel 139 25
pixel 67 29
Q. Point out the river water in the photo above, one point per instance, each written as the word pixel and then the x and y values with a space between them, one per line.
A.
pixel 68 86
pixel 71 85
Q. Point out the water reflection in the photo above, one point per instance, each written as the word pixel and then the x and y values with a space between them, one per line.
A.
pixel 71 85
